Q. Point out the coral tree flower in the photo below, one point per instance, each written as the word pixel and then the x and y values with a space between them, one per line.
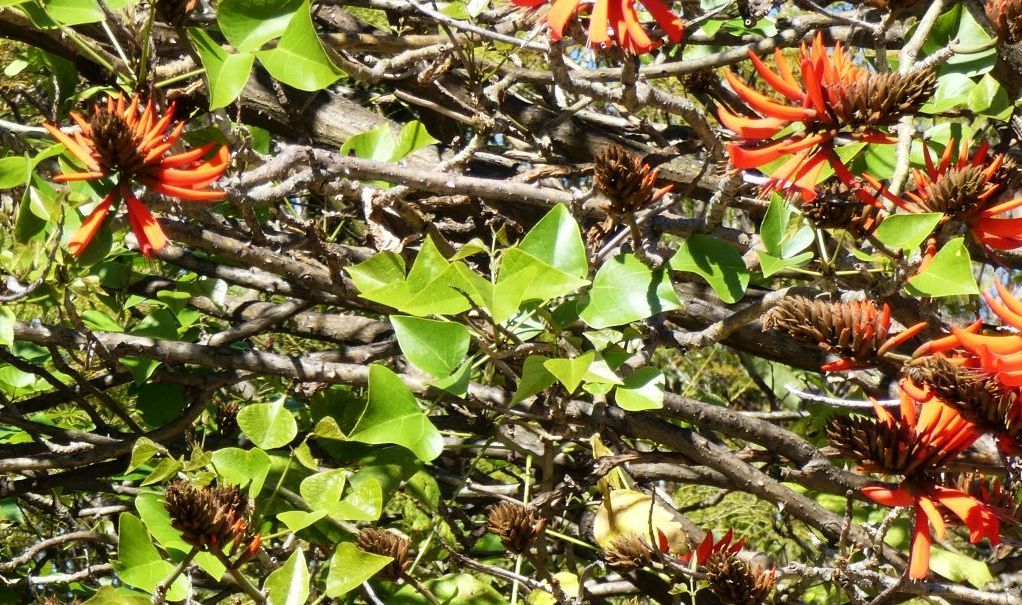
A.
pixel 965 186
pixel 913 445
pixel 834 97
pixel 123 140
pixel 613 22
pixel 707 548
pixel 858 332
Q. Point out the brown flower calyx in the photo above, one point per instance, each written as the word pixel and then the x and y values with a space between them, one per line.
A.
pixel 384 543
pixel 210 517
pixel 1006 18
pixel 628 552
pixel 736 582
pixel 977 395
pixel 626 181
pixel 856 331
pixel 882 98
pixel 117 146
pixel 516 525
pixel 837 207
pixel 958 191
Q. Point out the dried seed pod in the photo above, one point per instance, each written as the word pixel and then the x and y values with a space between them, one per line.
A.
pixel 837 207
pixel 516 524
pixel 211 517
pixel 857 331
pixel 629 184
pixel 387 544
pixel 628 552
pixel 882 98
pixel 977 395
pixel 736 582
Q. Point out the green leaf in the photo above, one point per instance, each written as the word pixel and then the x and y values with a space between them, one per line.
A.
pixel 953 89
pixel 783 230
pixel 570 372
pixel 989 98
pixel 226 73
pixel 248 24
pixel 643 390
pixel 907 231
pixel 108 595
pixel 957 24
pixel 139 563
pixel 268 425
pixel 436 347
pixel 364 501
pixel 376 144
pixel 523 277
pixel 433 285
pixel 392 415
pixel 718 262
pixel 297 520
pixel 143 449
pixel 958 567
pixel 377 271
pixel 626 290
pixel 557 241
pixel 535 378
pixel 7 320
pixel 14 171
pixel 455 589
pixel 157 520
pixel 413 137
pixel 323 490
pixel 299 59
pixel 165 469
pixel 349 567
pixel 770 264
pixel 236 466
pixel 289 585
pixel 74 12
pixel 949 274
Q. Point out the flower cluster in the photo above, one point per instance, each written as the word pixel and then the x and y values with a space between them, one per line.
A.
pixel 132 144
pixel 833 97
pixel 613 22
pixel 915 444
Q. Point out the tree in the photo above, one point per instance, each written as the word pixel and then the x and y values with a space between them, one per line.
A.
pixel 542 302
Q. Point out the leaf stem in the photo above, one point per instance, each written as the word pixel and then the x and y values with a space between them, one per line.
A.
pixel 239 578
pixel 160 592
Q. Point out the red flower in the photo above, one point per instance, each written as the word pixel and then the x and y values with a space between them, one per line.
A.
pixel 965 188
pixel 913 444
pixel 120 139
pixel 975 515
pixel 834 97
pixel 707 548
pixel 617 17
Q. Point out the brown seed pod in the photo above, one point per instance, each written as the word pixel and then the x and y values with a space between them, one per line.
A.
pixel 882 98
pixel 856 331
pixel 736 582
pixel 117 146
pixel 628 552
pixel 516 524
pixel 210 517
pixel 837 207
pixel 629 184
pixel 387 544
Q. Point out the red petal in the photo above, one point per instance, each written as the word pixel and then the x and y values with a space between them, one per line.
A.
pixel 778 83
pixel 90 226
pixel 187 194
pixel 887 496
pixel 919 561
pixel 980 520
pixel 557 18
pixel 143 223
pixel 765 105
pixel 673 25
pixel 749 128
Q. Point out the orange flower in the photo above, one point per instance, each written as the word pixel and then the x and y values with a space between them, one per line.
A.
pixel 913 444
pixel 617 17
pixel 965 188
pixel 134 145
pixel 835 96
pixel 975 515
